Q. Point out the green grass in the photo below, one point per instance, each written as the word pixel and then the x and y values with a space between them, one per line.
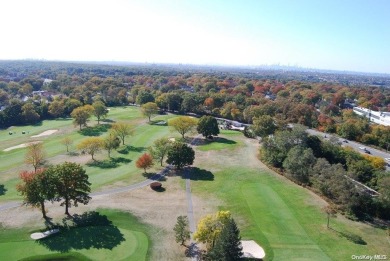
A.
pixel 220 143
pixel 121 168
pixel 115 235
pixel 282 217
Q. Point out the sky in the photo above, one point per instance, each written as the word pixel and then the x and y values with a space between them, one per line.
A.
pixel 349 35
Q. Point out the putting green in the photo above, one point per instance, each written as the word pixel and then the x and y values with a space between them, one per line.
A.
pixel 126 239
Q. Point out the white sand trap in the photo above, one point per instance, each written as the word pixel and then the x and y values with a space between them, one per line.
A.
pixel 252 250
pixel 172 139
pixel 44 234
pixel 45 133
pixel 21 145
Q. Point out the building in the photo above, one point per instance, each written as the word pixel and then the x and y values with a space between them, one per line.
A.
pixel 378 117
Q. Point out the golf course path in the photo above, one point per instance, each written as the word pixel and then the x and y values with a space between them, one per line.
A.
pixel 193 249
pixel 141 184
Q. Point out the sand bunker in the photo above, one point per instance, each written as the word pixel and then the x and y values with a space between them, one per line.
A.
pixel 45 133
pixel 252 250
pixel 172 139
pixel 21 146
pixel 44 234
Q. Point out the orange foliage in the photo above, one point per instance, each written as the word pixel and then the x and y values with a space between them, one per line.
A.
pixel 144 162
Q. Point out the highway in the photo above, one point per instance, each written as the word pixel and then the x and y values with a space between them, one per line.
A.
pixel 354 145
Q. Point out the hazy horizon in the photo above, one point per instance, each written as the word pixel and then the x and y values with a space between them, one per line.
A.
pixel 348 36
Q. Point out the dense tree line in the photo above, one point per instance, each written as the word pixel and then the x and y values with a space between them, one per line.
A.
pixel 237 96
pixel 339 174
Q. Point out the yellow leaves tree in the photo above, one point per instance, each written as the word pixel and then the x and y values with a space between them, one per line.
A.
pixel 149 109
pixel 210 226
pixel 81 115
pixel 122 130
pixel 35 155
pixel 183 124
pixel 377 162
pixel 91 145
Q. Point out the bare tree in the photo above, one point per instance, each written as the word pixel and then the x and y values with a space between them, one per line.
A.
pixel 35 155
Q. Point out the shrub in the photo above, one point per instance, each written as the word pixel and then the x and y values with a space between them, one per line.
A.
pixel 155 185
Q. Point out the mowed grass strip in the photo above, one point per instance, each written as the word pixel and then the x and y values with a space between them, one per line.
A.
pixel 287 220
pixel 126 239
pixel 121 168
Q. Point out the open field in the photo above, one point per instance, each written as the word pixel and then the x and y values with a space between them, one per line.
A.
pixel 121 166
pixel 284 218
pixel 105 234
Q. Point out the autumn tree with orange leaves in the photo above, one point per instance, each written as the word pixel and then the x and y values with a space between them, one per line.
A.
pixel 144 162
pixel 36 187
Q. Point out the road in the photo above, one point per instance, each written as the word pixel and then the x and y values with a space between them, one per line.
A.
pixel 353 144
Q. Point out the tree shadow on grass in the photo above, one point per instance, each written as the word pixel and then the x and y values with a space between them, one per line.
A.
pixel 351 237
pixel 86 231
pixel 108 120
pixel 154 176
pixel 127 148
pixel 3 190
pixel 108 163
pixel 95 130
pixel 195 173
pixel 223 140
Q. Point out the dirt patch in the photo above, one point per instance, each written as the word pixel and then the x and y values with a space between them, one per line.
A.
pixel 21 146
pixel 45 133
pixel 159 209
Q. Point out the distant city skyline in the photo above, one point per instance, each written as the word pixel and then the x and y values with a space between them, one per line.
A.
pixel 329 35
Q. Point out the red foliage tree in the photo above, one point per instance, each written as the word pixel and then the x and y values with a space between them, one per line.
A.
pixel 144 162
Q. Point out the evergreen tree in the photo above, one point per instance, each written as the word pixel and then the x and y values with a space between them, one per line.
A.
pixel 181 230
pixel 228 244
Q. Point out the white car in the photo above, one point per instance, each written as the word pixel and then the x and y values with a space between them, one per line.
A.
pixel 387 159
pixel 362 148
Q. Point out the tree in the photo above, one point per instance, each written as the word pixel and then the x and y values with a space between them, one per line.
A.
pixel 182 233
pixel 122 130
pixel 263 125
pixel 180 155
pixel 67 141
pixel 81 115
pixel 183 124
pixel 330 212
pixel 144 97
pixel 298 162
pixel 91 145
pixel 149 109
pixel 228 244
pixel 71 184
pixel 111 142
pixel 29 113
pixel 57 108
pixel 160 149
pixel 37 187
pixel 100 110
pixel 35 155
pixel 210 226
pixel 145 161
pixel 208 126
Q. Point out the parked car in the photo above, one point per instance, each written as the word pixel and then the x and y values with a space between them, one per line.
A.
pixel 362 148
